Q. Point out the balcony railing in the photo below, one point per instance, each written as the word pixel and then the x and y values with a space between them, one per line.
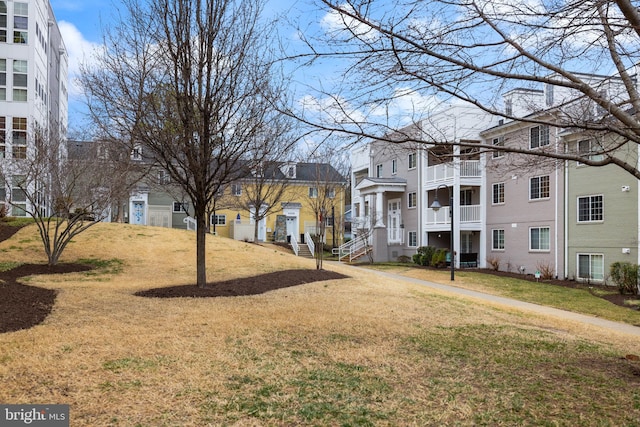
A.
pixel 468 169
pixel 467 213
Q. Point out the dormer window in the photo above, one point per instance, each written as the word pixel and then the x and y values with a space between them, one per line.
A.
pixel 136 153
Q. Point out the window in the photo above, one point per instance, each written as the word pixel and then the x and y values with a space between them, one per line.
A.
pixel 394 166
pixel 539 239
pixel 539 136
pixel 379 171
pixel 3 21
pixel 3 79
pixel 3 137
pixel 20 22
pixel 539 187
pixel 236 189
pixel 179 207
pixel 587 147
pixel 413 239
pixel 497 244
pixel 590 208
pixel 548 94
pixel 18 196
pixel 218 220
pixel 413 200
pixel 498 193
pixel 20 81
pixel 498 142
pixel 313 192
pixel 163 177
pixel 328 221
pixel 331 193
pixel 413 160
pixel 508 107
pixel 591 266
pixel 19 138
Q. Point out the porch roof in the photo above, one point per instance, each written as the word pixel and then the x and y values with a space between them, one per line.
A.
pixel 381 185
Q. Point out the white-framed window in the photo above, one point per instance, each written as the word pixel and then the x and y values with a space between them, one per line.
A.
pixel 313 192
pixel 3 137
pixel 20 80
pixel 218 220
pixel 413 239
pixel 538 136
pixel 3 21
pixel 236 190
pixel 3 79
pixel 591 208
pixel 498 142
pixel 328 221
pixel 179 207
pixel 20 22
pixel 412 199
pixel 508 106
pixel 497 242
pixel 539 187
pixel 591 266
pixel 539 239
pixel 163 177
pixel 136 152
pixel 586 148
pixel 18 196
pixel 19 137
pixel 331 193
pixel 413 160
pixel 498 194
pixel 394 166
pixel 379 170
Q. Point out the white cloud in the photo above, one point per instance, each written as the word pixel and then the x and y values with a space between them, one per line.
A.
pixel 336 22
pixel 80 51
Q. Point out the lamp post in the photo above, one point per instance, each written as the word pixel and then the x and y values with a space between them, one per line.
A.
pixel 436 207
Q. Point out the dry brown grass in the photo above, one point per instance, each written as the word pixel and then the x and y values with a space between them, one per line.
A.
pixel 347 352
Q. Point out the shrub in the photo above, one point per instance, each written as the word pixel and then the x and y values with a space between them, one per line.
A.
pixel 494 263
pixel 546 270
pixel 424 255
pixel 404 259
pixel 625 275
pixel 439 258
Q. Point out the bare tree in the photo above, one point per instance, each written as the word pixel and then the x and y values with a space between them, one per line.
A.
pixel 64 195
pixel 581 55
pixel 194 83
pixel 327 183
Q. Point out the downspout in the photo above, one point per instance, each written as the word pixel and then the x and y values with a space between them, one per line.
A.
pixel 566 219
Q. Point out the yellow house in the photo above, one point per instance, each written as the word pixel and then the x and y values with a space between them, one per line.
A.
pixel 297 201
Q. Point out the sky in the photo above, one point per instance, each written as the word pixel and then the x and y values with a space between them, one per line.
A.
pixel 81 23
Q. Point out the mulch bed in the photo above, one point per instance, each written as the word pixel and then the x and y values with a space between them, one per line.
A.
pixel 244 286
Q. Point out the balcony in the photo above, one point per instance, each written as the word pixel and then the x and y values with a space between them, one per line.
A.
pixel 467 214
pixel 447 171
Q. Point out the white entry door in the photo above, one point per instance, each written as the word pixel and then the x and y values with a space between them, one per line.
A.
pixel 394 219
pixel 137 216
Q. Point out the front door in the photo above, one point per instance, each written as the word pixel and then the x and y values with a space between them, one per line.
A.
pixel 137 216
pixel 394 216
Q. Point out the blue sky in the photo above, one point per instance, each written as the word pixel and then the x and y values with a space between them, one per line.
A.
pixel 81 24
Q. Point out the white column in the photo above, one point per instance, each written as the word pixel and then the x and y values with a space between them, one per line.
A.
pixel 379 211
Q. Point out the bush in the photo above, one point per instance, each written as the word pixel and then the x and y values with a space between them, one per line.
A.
pixel 494 263
pixel 625 275
pixel 439 258
pixel 424 255
pixel 404 259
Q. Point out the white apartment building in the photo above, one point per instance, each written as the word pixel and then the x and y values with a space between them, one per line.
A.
pixel 33 88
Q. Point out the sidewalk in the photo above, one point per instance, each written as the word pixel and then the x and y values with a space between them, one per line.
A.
pixel 525 306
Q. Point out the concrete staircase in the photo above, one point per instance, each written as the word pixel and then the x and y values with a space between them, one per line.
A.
pixel 303 251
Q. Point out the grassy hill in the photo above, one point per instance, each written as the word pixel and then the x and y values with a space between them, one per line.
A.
pixel 355 351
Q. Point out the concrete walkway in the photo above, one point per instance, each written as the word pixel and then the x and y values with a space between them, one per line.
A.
pixel 525 306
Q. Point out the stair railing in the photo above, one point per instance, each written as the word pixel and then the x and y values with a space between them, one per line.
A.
pixel 294 245
pixel 310 244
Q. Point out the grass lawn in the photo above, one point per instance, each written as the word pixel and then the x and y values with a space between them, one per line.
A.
pixel 349 352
